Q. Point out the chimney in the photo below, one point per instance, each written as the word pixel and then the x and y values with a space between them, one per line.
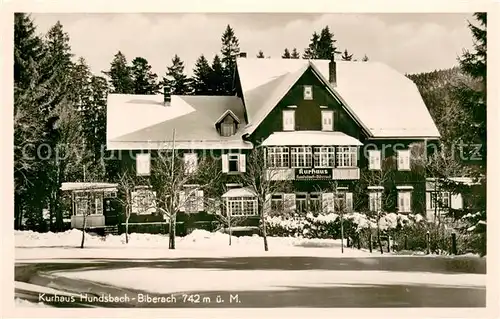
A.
pixel 243 54
pixel 332 71
pixel 166 96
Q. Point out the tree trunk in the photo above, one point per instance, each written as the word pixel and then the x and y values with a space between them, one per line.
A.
pixel 18 208
pixel 342 232
pixel 229 227
pixel 126 228
pixel 83 229
pixel 171 233
pixel 264 232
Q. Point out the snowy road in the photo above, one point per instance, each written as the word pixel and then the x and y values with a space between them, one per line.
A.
pixel 268 281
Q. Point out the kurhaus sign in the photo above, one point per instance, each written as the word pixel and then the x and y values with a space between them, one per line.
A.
pixel 313 173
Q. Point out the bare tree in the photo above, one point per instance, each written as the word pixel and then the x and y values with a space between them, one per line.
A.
pixel 127 184
pixel 263 182
pixel 169 178
pixel 379 178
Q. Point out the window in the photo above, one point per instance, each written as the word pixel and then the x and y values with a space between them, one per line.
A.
pixel 143 164
pixel 315 203
pixel 190 163
pixel 327 120
pixel 301 156
pixel 277 203
pixel 374 160
pixel 227 129
pixel 143 201
pixel 404 201
pixel 301 203
pixel 278 157
pixel 403 160
pixel 442 200
pixel 375 201
pixel 308 92
pixel 233 163
pixel 242 206
pixel 98 205
pixel 346 156
pixel 192 199
pixel 340 201
pixel 288 120
pixel 81 204
pixel 324 156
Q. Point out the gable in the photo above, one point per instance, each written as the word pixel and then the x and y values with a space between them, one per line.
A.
pixel 368 90
pixel 308 112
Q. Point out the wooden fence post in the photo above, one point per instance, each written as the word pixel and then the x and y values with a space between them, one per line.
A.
pixel 428 241
pixel 370 242
pixel 453 243
pixel 388 243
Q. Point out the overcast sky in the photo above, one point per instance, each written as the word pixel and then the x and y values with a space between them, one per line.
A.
pixel 410 42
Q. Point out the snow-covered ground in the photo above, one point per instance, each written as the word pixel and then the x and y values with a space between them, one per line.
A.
pixel 32 246
pixel 18 302
pixel 200 280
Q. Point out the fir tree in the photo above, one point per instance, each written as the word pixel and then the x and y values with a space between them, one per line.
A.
pixel 321 46
pixel 144 80
pixel 346 56
pixel 286 54
pixel 295 54
pixel 27 45
pixel 175 80
pixel 229 51
pixel 202 77
pixel 120 75
pixel 217 77
pixel 260 55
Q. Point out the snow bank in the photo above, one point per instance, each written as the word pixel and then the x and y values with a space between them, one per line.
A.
pixel 198 239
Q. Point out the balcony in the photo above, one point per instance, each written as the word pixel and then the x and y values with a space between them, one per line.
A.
pixel 93 221
pixel 313 174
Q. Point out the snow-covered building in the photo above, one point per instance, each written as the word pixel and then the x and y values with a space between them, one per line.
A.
pixel 318 120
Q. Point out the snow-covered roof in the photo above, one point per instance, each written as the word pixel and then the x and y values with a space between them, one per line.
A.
pixel 239 192
pixel 382 99
pixel 88 186
pixel 310 138
pixel 462 180
pixel 133 123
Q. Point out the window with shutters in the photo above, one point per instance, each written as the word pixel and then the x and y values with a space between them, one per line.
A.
pixel 324 156
pixel 404 201
pixel 308 92
pixel 143 200
pixel 233 160
pixel 375 201
pixel 403 160
pixel 242 206
pixel 374 159
pixel 190 163
pixel 347 156
pixel 327 120
pixel 301 157
pixel 289 120
pixel 143 164
pixel 278 157
pixel 193 199
pixel 340 201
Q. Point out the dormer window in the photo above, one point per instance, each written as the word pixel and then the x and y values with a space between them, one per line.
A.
pixel 227 129
pixel 227 124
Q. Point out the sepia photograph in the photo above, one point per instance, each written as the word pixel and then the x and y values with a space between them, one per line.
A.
pixel 249 160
